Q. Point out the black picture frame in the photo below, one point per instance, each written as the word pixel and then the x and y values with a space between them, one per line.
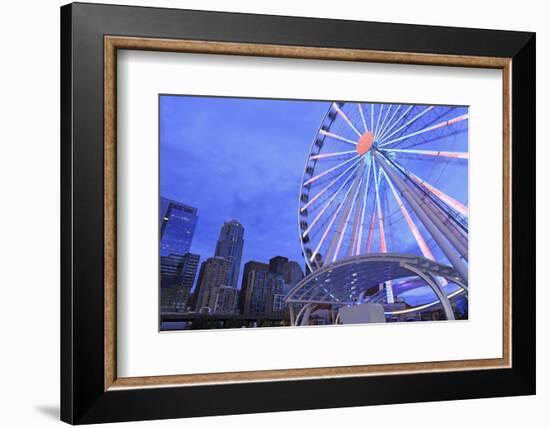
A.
pixel 83 397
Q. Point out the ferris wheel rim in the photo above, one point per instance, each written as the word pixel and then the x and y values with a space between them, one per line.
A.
pixel 388 133
pixel 315 137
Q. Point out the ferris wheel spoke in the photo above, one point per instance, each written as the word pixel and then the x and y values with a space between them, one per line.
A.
pixel 377 127
pixel 450 201
pixel 427 129
pixel 383 247
pixel 372 117
pixel 329 226
pixel 453 203
pixel 407 124
pixel 342 226
pixel 387 124
pixel 396 122
pixel 346 118
pixel 332 155
pixel 356 223
pixel 371 232
pixel 362 117
pixel 328 171
pixel 332 183
pixel 431 139
pixel 327 204
pixel 363 209
pixel 436 153
pixel 337 137
pixel 383 124
pixel 426 252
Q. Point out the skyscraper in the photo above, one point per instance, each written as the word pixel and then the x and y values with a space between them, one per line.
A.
pixel 249 276
pixel 277 264
pixel 292 273
pixel 214 274
pixel 177 274
pixel 278 305
pixel 289 270
pixel 230 246
pixel 262 288
pixel 177 224
pixel 225 300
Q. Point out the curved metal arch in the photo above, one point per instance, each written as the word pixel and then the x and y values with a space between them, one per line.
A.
pixel 381 267
pixel 437 289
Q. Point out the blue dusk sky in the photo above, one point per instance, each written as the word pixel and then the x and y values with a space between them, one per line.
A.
pixel 238 158
pixel 242 159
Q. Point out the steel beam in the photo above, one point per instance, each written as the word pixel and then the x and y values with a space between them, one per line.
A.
pixel 432 222
pixel 437 289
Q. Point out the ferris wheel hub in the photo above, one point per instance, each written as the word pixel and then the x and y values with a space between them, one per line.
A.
pixel 365 143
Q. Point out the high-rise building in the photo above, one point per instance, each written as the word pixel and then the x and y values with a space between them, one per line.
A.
pixel 177 274
pixel 177 224
pixel 249 276
pixel 278 306
pixel 292 272
pixel 276 296
pixel 258 294
pixel 225 300
pixel 214 273
pixel 230 246
pixel 262 288
pixel 277 265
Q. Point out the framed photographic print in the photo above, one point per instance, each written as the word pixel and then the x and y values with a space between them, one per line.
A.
pixel 256 208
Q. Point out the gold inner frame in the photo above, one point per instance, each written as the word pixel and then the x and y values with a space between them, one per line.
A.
pixel 113 43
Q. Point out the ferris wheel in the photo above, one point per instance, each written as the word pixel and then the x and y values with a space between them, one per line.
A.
pixel 387 178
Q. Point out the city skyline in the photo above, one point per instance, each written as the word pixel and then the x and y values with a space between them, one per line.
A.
pixel 217 252
pixel 189 284
pixel 292 184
